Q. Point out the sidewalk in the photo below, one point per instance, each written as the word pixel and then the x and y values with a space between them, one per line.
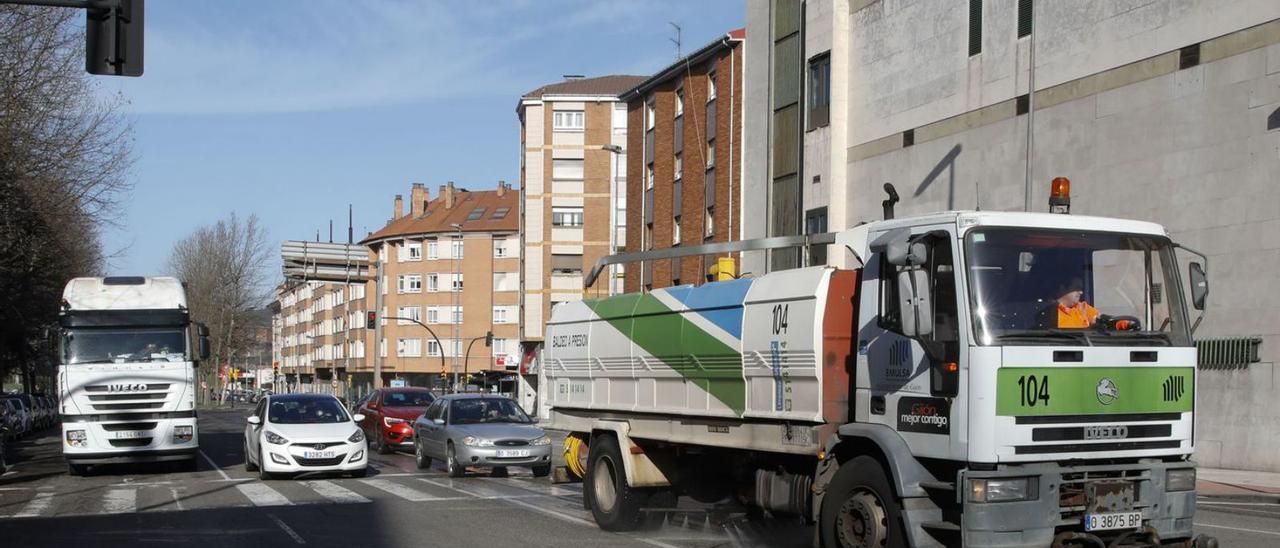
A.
pixel 1238 484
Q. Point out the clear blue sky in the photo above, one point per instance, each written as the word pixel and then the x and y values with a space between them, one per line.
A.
pixel 292 109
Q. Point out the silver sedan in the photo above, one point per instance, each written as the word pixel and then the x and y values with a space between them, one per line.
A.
pixel 478 430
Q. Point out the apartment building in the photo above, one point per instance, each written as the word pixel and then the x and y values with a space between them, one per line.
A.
pixel 684 180
pixel 321 335
pixel 572 152
pixel 451 263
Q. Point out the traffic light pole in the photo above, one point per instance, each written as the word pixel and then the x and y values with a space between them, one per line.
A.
pixel 466 361
pixel 377 325
pixel 433 335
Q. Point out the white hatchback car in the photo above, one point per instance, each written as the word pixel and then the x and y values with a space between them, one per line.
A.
pixel 294 433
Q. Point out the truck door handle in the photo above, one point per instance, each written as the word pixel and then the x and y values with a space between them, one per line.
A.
pixel 877 405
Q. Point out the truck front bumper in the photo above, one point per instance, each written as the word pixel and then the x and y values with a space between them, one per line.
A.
pixel 1060 503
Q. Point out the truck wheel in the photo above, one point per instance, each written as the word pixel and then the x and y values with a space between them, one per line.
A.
pixel 614 504
pixel 860 508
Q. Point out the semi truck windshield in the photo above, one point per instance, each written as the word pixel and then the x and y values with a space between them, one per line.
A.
pixel 98 345
pixel 1074 288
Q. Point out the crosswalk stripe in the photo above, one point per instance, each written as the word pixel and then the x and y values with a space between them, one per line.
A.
pixel 335 492
pixel 261 495
pixel 402 491
pixel 120 501
pixel 38 505
pixel 544 488
pixel 476 490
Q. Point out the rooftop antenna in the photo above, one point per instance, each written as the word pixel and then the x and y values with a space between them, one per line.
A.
pixel 350 233
pixel 330 230
pixel 676 40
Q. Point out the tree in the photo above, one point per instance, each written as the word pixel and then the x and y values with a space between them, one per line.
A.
pixel 224 268
pixel 64 162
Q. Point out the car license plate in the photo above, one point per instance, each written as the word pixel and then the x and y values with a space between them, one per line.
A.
pixel 130 435
pixel 502 453
pixel 317 454
pixel 1116 520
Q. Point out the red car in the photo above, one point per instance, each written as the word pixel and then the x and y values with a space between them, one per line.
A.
pixel 388 416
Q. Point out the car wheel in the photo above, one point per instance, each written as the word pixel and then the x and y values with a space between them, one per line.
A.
pixel 860 508
pixel 542 471
pixel 456 470
pixel 249 466
pixel 614 504
pixel 420 458
pixel 263 474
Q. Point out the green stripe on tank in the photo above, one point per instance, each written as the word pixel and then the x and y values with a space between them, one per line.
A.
pixel 669 337
pixel 1093 390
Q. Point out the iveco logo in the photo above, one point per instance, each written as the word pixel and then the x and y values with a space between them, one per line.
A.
pixel 126 387
pixel 1107 391
pixel 1106 432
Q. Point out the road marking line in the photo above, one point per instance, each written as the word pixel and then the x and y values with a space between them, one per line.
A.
pixel 553 513
pixel 402 491
pixel 261 495
pixel 10 473
pixel 38 505
pixel 480 492
pixel 335 492
pixel 1238 529
pixel 121 501
pixel 215 466
pixel 177 500
pixel 541 488
pixel 651 542
pixel 296 537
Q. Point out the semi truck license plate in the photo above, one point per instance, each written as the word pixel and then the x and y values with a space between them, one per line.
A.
pixel 1116 520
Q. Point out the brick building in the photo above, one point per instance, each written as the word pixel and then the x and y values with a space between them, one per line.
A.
pixel 683 181
pixel 321 334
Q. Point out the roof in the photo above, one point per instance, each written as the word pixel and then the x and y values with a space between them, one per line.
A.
pixel 613 84
pixel 299 397
pixel 438 219
pixel 678 67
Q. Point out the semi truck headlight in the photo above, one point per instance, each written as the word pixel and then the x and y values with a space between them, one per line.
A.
pixel 183 433
pixel 1180 479
pixel 77 438
pixel 1002 489
pixel 275 439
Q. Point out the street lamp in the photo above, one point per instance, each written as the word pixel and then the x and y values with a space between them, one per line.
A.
pixel 455 248
pixel 613 211
pixel 433 336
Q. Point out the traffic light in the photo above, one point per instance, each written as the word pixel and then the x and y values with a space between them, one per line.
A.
pixel 113 38
pixel 275 369
pixel 488 338
pixel 371 320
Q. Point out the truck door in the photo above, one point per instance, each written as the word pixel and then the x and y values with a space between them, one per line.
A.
pixel 894 370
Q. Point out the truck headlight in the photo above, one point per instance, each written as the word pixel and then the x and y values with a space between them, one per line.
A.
pixel 183 433
pixel 544 440
pixel 472 441
pixel 77 438
pixel 275 439
pixel 1003 489
pixel 1180 479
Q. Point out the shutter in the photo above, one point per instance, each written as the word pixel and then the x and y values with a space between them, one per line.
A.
pixel 677 198
pixel 566 262
pixel 710 186
pixel 678 145
pixel 711 120
pixel 1024 17
pixel 975 27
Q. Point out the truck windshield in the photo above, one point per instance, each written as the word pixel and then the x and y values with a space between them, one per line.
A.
pixel 1074 288
pixel 99 345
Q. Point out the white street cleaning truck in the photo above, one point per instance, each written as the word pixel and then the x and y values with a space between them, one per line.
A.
pixel 127 372
pixel 973 378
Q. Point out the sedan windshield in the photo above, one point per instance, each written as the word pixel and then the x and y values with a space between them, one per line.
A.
pixel 96 345
pixel 1074 288
pixel 485 410
pixel 407 399
pixel 307 411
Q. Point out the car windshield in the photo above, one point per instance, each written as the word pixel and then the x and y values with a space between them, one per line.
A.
pixel 486 410
pixel 307 411
pixel 407 399
pixel 97 345
pixel 1074 288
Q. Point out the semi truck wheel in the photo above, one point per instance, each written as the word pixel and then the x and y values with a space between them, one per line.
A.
pixel 860 508
pixel 614 504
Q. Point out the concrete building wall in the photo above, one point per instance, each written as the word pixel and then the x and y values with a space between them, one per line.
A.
pixel 755 132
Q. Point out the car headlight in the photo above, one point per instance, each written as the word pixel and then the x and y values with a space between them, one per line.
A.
pixel 1180 479
pixel 390 421
pixel 472 441
pixel 544 440
pixel 1003 489
pixel 275 439
pixel 357 436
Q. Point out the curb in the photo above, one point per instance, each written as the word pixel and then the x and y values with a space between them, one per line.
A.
pixel 1241 497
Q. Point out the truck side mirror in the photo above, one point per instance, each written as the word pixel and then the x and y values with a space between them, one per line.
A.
pixel 202 341
pixel 913 303
pixel 1199 285
pixel 944 378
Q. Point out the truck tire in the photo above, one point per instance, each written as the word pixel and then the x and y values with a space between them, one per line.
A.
pixel 860 508
pixel 614 504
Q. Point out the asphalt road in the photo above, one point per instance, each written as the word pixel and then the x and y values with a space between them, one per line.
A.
pixel 397 505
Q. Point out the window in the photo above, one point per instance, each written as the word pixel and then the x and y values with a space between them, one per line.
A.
pixel 820 91
pixel 455 248
pixel 476 214
pixel 975 27
pixel 382 253
pixel 566 216
pixel 815 222
pixel 499 347
pixel 648 236
pixel 711 86
pixel 679 102
pixel 506 281
pixel 499 314
pixel 411 312
pixel 563 263
pixel 566 169
pixel 711 154
pixel 433 251
pixel 620 117
pixel 710 222
pixel 456 280
pixel 433 314
pixel 499 248
pixel 679 166
pixel 409 348
pixel 433 349
pixel 649 113
pixel 382 348
pixel 455 315
pixel 500 213
pixel 648 177
pixel 567 120
pixel 409 283
pixel 675 230
pixel 433 282
pixel 402 253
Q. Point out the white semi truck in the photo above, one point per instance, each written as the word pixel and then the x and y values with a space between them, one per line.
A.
pixel 966 378
pixel 127 372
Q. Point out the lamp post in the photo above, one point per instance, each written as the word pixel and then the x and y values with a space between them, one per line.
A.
pixel 613 211
pixel 433 335
pixel 455 249
pixel 488 341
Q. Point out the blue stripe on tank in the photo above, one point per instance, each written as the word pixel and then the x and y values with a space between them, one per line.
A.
pixel 719 302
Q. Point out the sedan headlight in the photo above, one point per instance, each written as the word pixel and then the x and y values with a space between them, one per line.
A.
pixel 275 439
pixel 472 441
pixel 1003 489
pixel 356 437
pixel 1180 479
pixel 544 440
pixel 391 420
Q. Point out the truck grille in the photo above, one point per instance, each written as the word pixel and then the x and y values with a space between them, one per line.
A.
pixel 122 426
pixel 1086 447
pixel 127 406
pixel 134 442
pixel 107 388
pixel 1072 497
pixel 127 397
